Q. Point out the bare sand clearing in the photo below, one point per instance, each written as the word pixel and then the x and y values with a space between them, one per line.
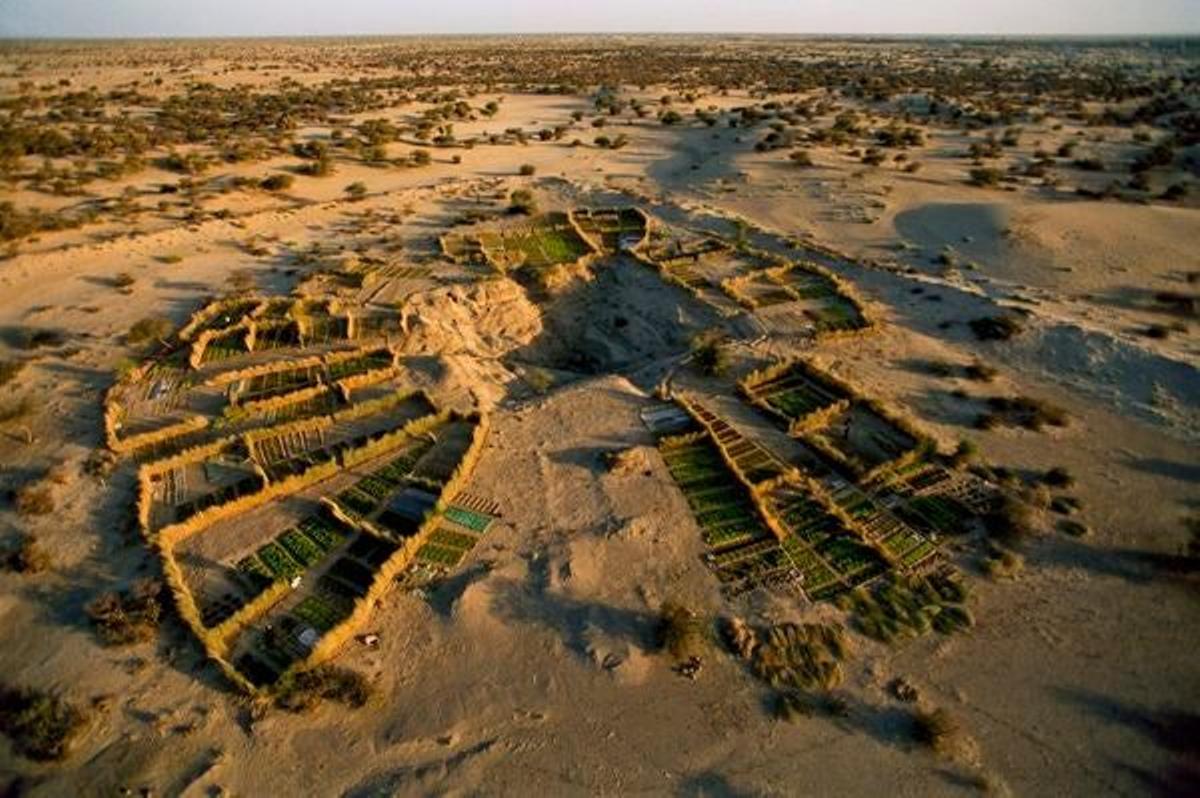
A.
pixel 535 664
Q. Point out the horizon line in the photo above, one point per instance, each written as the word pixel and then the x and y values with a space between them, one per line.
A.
pixel 547 34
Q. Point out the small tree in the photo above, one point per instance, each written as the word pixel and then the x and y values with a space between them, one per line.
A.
pixel 522 201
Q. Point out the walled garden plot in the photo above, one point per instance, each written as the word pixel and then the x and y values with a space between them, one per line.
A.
pixel 613 229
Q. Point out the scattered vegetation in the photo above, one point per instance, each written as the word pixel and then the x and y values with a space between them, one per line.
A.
pixel 937 729
pixel 42 726
pixel 148 330
pixel 129 616
pixel 996 328
pixel 1021 411
pixel 29 557
pixel 34 499
pixel 681 634
pixel 710 356
pixel 303 691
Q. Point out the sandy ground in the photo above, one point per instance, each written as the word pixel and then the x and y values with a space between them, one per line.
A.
pixel 534 668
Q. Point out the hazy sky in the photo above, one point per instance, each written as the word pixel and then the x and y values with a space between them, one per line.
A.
pixel 119 18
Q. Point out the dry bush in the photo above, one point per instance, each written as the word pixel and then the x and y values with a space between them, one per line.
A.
pixel 41 726
pixel 123 280
pixel 710 356
pixel 29 557
pixel 301 692
pixel 937 729
pixel 151 328
pixel 980 372
pixel 522 202
pixel 276 182
pixel 799 657
pixel 34 500
pixel 1010 521
pixel 681 632
pixel 1022 411
pixel 1001 563
pixel 528 170
pixel 130 616
pixel 34 338
pixel 1058 477
pixel 996 328
pixel 964 454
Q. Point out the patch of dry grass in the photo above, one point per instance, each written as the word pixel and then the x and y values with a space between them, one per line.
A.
pixel 130 616
pixel 303 691
pixel 41 726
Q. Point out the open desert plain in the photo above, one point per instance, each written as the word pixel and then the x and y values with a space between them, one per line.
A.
pixel 600 415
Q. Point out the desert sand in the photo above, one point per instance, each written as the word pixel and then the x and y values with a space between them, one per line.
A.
pixel 535 664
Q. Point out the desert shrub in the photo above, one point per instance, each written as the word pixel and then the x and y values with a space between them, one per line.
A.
pixel 980 372
pixel 873 157
pixel 900 607
pixel 34 500
pixel 29 557
pixel 128 616
pixel 995 328
pixel 680 632
pixel 710 356
pixel 1023 411
pixel 527 169
pixel 276 182
pixel 1076 529
pixel 1010 521
pixel 1002 563
pixel 801 158
pixel 356 190
pixel 36 338
pixel 41 726
pixel 302 691
pixel 151 328
pixel 671 118
pixel 1089 164
pixel 964 453
pixel 422 157
pixel 1065 505
pixel 1058 477
pixel 10 370
pixel 123 280
pixel 522 201
pixel 985 176
pixel 190 164
pixel 321 167
pixel 937 729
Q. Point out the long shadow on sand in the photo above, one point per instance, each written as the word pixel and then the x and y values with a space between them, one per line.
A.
pixel 572 619
pixel 1171 729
